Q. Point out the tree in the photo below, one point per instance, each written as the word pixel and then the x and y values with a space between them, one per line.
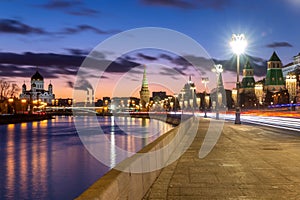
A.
pixel 8 89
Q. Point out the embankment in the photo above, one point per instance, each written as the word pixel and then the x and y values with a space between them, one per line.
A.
pixel 19 118
pixel 124 184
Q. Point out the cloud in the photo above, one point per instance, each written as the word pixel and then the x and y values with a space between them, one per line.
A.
pixel 146 57
pixel 181 62
pixel 171 72
pixel 59 4
pixel 54 65
pixel 11 71
pixel 84 12
pixel 259 64
pixel 70 84
pixel 12 26
pixel 190 4
pixel 170 3
pixel 85 27
pixel 204 65
pixel 77 52
pixel 40 59
pixel 166 57
pixel 82 84
pixel 122 65
pixel 76 8
pixel 279 44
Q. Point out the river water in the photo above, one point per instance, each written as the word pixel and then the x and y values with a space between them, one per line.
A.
pixel 47 160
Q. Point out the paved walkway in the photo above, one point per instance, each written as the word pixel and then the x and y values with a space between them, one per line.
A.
pixel 248 162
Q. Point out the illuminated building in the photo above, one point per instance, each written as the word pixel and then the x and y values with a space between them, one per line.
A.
pixel 274 80
pixel 37 91
pixel 259 92
pixel 144 92
pixel 247 91
pixel 291 85
pixel 187 95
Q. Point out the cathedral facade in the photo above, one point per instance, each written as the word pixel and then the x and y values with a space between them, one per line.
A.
pixel 37 91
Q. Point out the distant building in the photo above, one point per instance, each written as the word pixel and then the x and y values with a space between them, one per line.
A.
pixel 187 96
pixel 248 81
pixel 90 96
pixel 218 94
pixel 274 79
pixel 247 93
pixel 290 70
pixel 144 92
pixel 62 102
pixel 291 85
pixel 297 59
pixel 268 91
pixel 125 103
pixel 157 96
pixel 259 92
pixel 37 91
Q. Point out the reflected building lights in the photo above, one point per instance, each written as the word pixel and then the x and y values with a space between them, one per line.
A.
pixel 10 162
pixel 112 143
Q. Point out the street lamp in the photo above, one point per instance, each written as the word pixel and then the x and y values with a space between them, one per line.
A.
pixel 205 81
pixel 218 69
pixel 238 44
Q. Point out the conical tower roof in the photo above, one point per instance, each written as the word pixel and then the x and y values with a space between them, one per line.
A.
pixel 274 57
pixel 220 81
pixel 145 82
pixel 248 65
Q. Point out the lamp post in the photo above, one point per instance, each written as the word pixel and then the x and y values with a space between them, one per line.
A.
pixel 238 44
pixel 218 69
pixel 175 102
pixel 205 81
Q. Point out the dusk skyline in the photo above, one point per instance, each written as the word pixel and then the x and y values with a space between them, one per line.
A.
pixel 56 35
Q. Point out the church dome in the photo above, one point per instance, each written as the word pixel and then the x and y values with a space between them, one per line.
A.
pixel 33 85
pixel 37 76
pixel 50 85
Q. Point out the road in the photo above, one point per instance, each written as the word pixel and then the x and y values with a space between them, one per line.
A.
pixel 248 162
pixel 287 123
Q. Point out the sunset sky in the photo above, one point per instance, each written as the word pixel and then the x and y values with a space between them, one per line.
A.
pixel 55 36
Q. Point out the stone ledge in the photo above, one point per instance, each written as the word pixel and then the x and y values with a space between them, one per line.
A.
pixel 117 184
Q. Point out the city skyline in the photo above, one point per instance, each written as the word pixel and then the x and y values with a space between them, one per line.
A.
pixel 65 31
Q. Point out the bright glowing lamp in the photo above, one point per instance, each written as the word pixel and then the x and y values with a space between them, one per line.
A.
pixel 238 44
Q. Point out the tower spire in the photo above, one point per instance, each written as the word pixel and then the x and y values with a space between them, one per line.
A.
pixel 144 92
pixel 145 82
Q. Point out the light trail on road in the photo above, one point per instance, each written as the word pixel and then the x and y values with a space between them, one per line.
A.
pixel 287 123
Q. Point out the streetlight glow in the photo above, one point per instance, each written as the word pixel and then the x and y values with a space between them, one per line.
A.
pixel 238 43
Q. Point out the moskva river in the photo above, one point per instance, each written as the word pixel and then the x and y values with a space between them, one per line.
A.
pixel 47 160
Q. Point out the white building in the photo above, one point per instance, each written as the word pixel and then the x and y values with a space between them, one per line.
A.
pixel 37 91
pixel 292 67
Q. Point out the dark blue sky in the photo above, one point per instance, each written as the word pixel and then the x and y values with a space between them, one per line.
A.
pixel 75 27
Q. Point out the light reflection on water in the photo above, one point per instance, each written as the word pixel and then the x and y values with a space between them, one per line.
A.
pixel 46 159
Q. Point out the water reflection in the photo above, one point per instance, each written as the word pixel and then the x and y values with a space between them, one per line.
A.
pixel 46 159
pixel 43 160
